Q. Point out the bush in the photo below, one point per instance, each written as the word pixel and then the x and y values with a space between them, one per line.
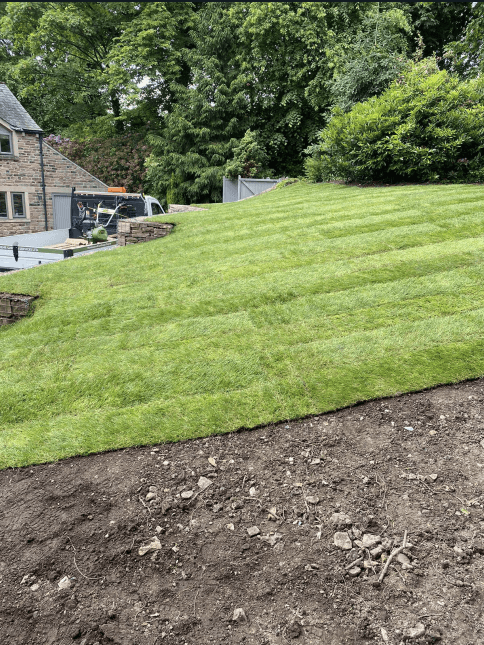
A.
pixel 428 126
pixel 117 161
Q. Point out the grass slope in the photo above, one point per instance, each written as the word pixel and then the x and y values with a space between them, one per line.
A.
pixel 300 301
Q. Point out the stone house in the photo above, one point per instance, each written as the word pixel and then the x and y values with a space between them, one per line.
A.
pixel 35 179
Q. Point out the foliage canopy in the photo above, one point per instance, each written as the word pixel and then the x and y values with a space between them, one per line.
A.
pixel 194 77
pixel 428 126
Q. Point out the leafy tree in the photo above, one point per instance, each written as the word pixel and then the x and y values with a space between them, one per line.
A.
pixel 262 66
pixel 466 55
pixel 438 24
pixel 73 62
pixel 208 117
pixel 250 158
pixel 374 59
pixel 427 126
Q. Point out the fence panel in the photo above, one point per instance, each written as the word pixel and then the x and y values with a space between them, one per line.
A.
pixel 230 190
pixel 234 191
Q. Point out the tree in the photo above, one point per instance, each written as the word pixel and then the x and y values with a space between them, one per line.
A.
pixel 73 62
pixel 208 117
pixel 259 66
pixel 250 158
pixel 374 59
pixel 466 55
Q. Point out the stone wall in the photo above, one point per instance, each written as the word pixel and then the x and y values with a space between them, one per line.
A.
pixel 13 307
pixel 21 173
pixel 131 232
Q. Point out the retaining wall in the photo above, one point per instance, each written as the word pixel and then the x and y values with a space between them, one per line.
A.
pixel 13 307
pixel 131 232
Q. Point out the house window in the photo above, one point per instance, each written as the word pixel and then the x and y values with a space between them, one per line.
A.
pixel 5 142
pixel 18 205
pixel 3 205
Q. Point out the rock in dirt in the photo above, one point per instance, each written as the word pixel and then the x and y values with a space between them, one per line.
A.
pixel 154 545
pixel 354 571
pixel 64 583
pixel 239 616
pixel 403 559
pixel 411 633
pixel 271 539
pixel 377 551
pixel 370 541
pixel 340 520
pixel 204 482
pixel 342 540
pixel 294 630
pixel 312 499
pixel 253 531
pixel 186 494
pixel 150 496
pixel 34 587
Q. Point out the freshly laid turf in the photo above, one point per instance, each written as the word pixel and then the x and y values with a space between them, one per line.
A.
pixel 299 301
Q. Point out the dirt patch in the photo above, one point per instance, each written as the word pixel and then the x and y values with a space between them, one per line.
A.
pixel 238 534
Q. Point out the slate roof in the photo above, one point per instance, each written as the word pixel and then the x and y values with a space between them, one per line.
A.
pixel 13 113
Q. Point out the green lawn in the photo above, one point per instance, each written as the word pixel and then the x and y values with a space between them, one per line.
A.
pixel 302 300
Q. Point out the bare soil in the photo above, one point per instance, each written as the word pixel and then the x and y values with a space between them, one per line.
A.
pixel 411 464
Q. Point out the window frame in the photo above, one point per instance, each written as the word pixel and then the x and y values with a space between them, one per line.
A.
pixel 10 141
pixel 24 208
pixel 7 133
pixel 4 217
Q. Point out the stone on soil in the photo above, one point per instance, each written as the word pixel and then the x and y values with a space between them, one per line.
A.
pixel 354 571
pixel 312 499
pixel 239 616
pixel 154 545
pixel 253 530
pixel 64 583
pixel 204 482
pixel 186 494
pixel 403 559
pixel 414 632
pixel 342 540
pixel 370 541
pixel 340 520
pixel 150 496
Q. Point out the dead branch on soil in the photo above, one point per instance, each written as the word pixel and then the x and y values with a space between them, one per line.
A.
pixel 75 563
pixel 394 553
pixel 355 563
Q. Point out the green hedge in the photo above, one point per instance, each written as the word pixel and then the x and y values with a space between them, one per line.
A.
pixel 428 126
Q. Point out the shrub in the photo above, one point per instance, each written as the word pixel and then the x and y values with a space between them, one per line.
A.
pixel 428 126
pixel 118 161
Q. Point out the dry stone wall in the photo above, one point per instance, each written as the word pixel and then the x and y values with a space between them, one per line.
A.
pixel 13 307
pixel 131 232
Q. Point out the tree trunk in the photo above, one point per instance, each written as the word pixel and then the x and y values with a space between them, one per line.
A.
pixel 116 107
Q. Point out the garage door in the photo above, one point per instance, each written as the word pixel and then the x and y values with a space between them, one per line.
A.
pixel 62 210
